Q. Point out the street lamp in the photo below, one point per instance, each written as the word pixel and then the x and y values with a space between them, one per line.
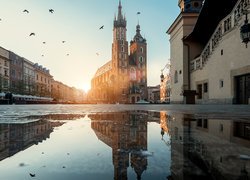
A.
pixel 245 30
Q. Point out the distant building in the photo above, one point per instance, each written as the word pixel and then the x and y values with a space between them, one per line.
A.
pixel 4 70
pixel 16 73
pixel 154 94
pixel 124 78
pixel 28 77
pixel 165 88
pixel 209 62
pixel 43 81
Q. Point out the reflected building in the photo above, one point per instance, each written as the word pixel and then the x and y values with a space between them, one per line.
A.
pixel 20 136
pixel 126 134
pixel 209 148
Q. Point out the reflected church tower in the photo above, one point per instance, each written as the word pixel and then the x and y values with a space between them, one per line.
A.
pixel 126 134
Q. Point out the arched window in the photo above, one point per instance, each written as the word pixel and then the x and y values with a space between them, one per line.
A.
pixel 141 59
pixel 141 49
pixel 175 77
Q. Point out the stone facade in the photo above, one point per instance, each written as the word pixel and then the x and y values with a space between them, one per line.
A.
pixel 124 78
pixel 43 81
pixel 16 74
pixel 4 70
pixel 213 62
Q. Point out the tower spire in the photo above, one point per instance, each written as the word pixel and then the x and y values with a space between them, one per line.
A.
pixel 120 11
pixel 120 21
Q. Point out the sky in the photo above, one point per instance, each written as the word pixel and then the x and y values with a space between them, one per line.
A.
pixel 77 22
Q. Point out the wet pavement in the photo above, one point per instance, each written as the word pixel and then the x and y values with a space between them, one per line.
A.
pixel 59 142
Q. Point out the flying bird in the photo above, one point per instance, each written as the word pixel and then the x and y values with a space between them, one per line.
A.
pixel 101 27
pixel 0 19
pixel 97 54
pixel 32 175
pixel 42 56
pixel 32 34
pixel 63 41
pixel 67 54
pixel 26 11
pixel 44 42
pixel 51 10
pixel 138 13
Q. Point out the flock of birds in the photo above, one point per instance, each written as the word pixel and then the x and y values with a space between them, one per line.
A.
pixel 52 11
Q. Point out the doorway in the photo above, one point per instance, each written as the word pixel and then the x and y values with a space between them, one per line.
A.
pixel 242 89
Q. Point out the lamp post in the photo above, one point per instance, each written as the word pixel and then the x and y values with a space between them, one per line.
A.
pixel 245 30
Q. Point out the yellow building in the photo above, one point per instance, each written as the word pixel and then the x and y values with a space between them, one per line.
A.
pixel 42 81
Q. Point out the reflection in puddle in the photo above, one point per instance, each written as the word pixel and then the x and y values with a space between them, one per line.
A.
pixel 18 137
pixel 209 148
pixel 125 145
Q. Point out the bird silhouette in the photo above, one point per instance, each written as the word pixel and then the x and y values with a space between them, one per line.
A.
pixel 42 56
pixel 32 175
pixel 51 10
pixel 26 11
pixel 63 41
pixel 101 27
pixel 138 13
pixel 44 42
pixel 97 54
pixel 32 34
pixel 0 19
pixel 67 54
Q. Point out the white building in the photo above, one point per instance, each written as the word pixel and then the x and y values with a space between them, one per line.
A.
pixel 210 64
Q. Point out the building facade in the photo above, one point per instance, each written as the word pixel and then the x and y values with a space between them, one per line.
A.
pixel 43 81
pixel 4 70
pixel 210 62
pixel 154 94
pixel 165 88
pixel 28 77
pixel 16 74
pixel 124 78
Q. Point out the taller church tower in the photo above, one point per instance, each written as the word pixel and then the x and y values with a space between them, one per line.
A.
pixel 120 57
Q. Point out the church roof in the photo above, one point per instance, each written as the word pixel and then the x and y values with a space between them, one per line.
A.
pixel 211 14
pixel 106 67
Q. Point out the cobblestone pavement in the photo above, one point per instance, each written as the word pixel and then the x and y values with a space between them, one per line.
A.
pixel 15 112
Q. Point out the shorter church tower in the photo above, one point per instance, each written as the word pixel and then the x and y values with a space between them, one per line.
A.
pixel 138 68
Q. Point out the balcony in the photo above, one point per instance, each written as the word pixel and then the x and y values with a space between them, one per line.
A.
pixel 225 26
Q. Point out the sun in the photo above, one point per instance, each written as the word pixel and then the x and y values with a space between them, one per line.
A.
pixel 86 87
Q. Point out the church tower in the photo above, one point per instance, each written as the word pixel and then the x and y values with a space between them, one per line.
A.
pixel 190 5
pixel 120 57
pixel 138 67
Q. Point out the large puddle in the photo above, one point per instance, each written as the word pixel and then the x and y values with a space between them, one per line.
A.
pixel 124 145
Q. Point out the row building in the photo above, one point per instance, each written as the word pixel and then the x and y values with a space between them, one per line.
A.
pixel 210 64
pixel 27 80
pixel 123 79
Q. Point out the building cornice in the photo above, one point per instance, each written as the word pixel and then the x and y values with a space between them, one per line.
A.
pixel 181 16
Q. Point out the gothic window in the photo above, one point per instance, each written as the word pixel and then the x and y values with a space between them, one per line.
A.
pixel 122 49
pixel 141 59
pixel 132 74
pixel 175 77
pixel 122 42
